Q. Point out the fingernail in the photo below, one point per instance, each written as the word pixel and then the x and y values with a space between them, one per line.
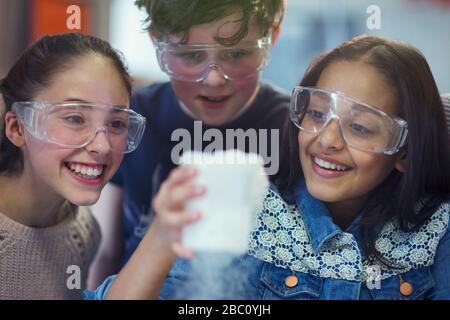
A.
pixel 190 171
pixel 199 189
pixel 196 215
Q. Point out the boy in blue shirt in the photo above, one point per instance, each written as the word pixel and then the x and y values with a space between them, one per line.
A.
pixel 213 52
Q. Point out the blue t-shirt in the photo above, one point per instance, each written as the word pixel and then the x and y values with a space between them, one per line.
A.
pixel 143 170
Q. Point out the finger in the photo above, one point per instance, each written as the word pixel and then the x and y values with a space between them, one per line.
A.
pixel 182 251
pixel 180 175
pixel 179 219
pixel 180 195
pixel 178 247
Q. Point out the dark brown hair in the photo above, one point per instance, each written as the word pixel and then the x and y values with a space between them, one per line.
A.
pixel 427 174
pixel 176 17
pixel 34 71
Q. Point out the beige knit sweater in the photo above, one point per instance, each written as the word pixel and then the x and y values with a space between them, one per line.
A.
pixel 35 262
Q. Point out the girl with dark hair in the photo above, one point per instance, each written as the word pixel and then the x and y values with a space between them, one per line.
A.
pixel 362 211
pixel 66 124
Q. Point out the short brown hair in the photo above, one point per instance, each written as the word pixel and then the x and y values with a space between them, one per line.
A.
pixel 176 17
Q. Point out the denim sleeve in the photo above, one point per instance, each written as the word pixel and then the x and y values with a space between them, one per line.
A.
pixel 440 270
pixel 101 292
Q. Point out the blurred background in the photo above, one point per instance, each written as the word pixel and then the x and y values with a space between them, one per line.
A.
pixel 310 27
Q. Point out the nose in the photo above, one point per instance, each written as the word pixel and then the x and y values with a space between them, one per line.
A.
pixel 214 77
pixel 100 142
pixel 331 137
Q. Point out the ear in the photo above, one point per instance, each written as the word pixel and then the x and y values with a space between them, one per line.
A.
pixel 275 34
pixel 14 130
pixel 400 165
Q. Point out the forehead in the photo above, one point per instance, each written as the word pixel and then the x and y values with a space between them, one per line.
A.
pixel 360 81
pixel 222 28
pixel 90 78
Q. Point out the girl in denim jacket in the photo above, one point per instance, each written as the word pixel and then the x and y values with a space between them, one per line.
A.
pixel 362 210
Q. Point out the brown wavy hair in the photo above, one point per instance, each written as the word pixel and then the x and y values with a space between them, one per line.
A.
pixel 34 71
pixel 176 17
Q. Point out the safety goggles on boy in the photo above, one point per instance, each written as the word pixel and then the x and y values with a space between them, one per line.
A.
pixel 193 62
pixel 76 124
pixel 362 126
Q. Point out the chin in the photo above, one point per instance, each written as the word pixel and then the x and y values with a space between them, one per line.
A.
pixel 86 200
pixel 215 121
pixel 321 193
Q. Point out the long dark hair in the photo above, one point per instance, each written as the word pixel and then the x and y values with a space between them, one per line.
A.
pixel 34 71
pixel 177 17
pixel 427 174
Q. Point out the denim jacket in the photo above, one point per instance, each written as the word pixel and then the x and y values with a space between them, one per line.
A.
pixel 297 252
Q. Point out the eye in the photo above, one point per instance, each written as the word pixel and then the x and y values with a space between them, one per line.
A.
pixel 361 130
pixel 74 119
pixel 236 54
pixel 118 125
pixel 191 56
pixel 316 115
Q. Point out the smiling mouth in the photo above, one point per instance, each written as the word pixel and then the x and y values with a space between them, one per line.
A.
pixel 330 165
pixel 89 172
pixel 213 100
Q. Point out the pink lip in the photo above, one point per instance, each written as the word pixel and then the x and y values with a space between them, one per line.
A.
pixel 209 104
pixel 325 173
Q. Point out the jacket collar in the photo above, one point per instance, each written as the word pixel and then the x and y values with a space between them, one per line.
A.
pixel 317 219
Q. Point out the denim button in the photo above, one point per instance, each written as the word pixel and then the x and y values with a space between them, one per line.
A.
pixel 291 281
pixel 406 288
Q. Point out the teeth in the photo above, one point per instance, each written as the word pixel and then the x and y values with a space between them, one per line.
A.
pixel 329 165
pixel 86 171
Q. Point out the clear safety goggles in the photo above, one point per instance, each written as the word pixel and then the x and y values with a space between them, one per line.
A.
pixel 76 124
pixel 194 62
pixel 362 126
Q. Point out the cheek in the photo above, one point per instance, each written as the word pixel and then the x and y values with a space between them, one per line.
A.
pixel 43 156
pixel 374 166
pixel 116 160
pixel 184 89
pixel 365 160
pixel 304 141
pixel 245 87
pixel 245 83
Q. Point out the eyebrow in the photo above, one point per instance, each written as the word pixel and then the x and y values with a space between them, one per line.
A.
pixel 362 108
pixel 322 96
pixel 118 110
pixel 79 100
pixel 76 100
pixel 215 45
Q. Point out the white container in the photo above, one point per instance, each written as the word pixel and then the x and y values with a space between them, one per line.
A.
pixel 236 184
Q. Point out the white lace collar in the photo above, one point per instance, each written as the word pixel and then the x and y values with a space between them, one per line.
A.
pixel 281 237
